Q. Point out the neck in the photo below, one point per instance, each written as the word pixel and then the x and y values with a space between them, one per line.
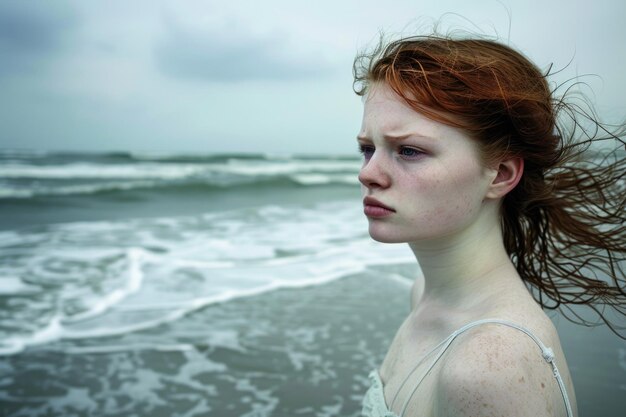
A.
pixel 465 269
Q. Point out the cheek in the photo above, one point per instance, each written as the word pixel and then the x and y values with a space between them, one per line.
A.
pixel 447 211
pixel 458 209
pixel 450 202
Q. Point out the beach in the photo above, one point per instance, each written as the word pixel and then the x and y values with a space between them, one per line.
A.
pixel 226 285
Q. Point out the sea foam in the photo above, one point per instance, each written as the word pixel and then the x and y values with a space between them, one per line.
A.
pixel 29 179
pixel 104 279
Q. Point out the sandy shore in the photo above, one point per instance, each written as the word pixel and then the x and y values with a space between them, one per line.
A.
pixel 293 352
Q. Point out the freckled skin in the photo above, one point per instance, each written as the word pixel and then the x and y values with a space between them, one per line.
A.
pixel 474 364
pixel 433 195
pixel 445 205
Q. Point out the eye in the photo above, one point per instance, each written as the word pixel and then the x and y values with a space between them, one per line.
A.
pixel 410 153
pixel 366 150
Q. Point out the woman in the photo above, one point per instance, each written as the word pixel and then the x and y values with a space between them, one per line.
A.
pixel 464 160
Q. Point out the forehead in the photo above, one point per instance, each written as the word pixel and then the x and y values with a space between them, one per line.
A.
pixel 385 112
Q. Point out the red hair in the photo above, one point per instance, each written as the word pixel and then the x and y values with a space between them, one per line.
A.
pixel 563 224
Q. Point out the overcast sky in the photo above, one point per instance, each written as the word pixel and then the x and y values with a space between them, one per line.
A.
pixel 268 76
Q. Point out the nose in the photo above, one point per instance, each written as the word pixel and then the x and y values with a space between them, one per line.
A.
pixel 375 172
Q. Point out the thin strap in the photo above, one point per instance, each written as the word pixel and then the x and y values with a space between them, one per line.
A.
pixel 546 352
pixel 422 359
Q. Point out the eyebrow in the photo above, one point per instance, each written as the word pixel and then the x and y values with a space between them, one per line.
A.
pixel 396 138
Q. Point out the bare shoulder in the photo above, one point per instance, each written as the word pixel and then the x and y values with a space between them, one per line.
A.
pixel 496 370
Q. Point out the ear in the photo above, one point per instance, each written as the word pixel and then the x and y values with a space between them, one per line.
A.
pixel 509 173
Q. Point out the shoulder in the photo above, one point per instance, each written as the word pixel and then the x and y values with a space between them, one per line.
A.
pixel 495 370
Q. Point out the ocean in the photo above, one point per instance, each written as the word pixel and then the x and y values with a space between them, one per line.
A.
pixel 209 285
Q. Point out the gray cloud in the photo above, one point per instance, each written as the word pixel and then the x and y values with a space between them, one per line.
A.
pixel 214 55
pixel 30 32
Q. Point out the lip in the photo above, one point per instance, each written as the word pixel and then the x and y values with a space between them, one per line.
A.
pixel 374 208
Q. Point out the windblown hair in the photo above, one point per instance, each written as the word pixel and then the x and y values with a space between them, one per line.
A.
pixel 563 224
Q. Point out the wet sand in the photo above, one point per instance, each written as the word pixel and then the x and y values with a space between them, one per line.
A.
pixel 292 352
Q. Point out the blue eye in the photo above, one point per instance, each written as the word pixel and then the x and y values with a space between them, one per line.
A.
pixel 366 150
pixel 409 152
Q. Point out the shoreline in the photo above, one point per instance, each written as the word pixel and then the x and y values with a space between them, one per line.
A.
pixel 298 351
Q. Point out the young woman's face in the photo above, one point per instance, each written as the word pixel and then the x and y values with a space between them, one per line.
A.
pixel 421 179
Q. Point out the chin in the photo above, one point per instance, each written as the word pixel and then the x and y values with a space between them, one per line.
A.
pixel 385 236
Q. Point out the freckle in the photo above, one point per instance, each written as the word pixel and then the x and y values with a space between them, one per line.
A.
pixel 521 379
pixel 543 385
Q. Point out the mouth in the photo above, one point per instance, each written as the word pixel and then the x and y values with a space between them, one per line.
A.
pixel 375 208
